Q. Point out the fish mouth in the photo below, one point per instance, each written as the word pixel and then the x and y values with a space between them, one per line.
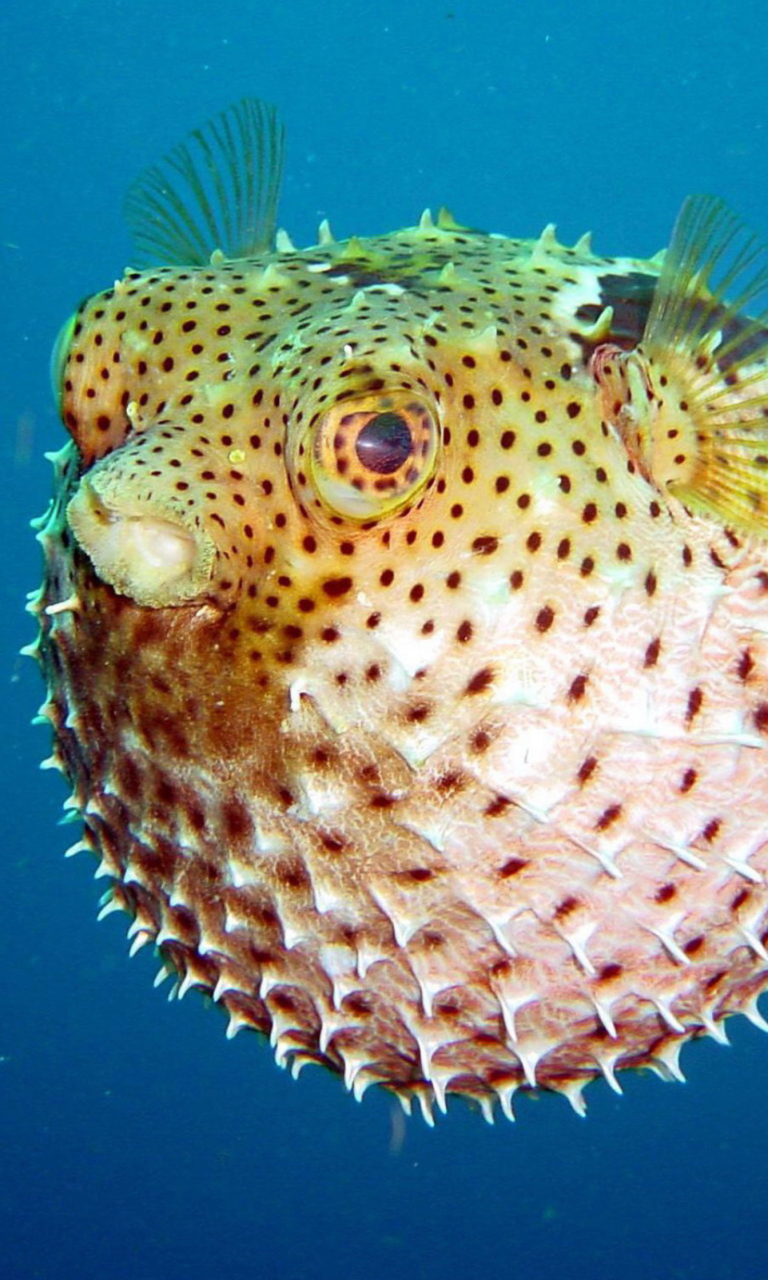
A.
pixel 140 548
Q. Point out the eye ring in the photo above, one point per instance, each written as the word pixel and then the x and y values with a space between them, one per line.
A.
pixel 372 454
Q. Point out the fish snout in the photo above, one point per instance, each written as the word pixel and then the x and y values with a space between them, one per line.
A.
pixel 143 545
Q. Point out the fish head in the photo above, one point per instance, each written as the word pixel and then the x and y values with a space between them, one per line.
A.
pixel 293 417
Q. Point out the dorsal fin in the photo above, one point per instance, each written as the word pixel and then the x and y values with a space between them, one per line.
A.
pixel 714 356
pixel 714 270
pixel 216 190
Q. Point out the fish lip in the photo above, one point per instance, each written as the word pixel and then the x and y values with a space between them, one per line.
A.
pixel 142 549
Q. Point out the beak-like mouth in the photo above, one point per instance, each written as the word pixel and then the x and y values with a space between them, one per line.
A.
pixel 140 549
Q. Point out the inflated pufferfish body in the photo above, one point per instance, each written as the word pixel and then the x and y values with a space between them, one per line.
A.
pixel 404 623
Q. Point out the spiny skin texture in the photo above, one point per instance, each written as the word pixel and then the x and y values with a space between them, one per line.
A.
pixel 463 796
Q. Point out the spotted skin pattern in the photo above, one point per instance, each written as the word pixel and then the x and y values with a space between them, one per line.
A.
pixel 462 796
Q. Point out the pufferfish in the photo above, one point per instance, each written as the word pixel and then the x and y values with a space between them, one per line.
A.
pixel 405 630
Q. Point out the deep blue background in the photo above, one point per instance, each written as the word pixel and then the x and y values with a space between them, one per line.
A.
pixel 135 1142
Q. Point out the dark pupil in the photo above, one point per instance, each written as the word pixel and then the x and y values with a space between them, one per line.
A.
pixel 384 443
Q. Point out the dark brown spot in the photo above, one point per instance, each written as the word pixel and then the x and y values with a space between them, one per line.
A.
pixel 452 782
pixel 761 717
pixel 480 681
pixel 608 817
pixel 511 868
pixel 485 546
pixel 448 1009
pixel 333 842
pixel 586 769
pixel 544 618
pixel 357 1005
pixel 609 971
pixel 419 712
pixel 382 800
pixel 578 687
pixel 292 874
pixel 652 653
pixel 335 587
pixel 695 699
pixel 283 1001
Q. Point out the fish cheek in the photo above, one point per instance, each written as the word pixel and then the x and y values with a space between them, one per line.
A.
pixel 91 383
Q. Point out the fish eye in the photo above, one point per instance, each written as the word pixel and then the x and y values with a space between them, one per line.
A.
pixel 373 454
pixel 59 357
pixel 385 443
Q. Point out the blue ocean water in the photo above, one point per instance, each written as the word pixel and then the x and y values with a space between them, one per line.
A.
pixel 135 1142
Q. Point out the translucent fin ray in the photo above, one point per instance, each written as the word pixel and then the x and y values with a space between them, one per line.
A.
pixel 711 255
pixel 701 334
pixel 217 190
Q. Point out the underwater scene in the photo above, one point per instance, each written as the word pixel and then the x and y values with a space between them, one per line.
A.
pixel 386 437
